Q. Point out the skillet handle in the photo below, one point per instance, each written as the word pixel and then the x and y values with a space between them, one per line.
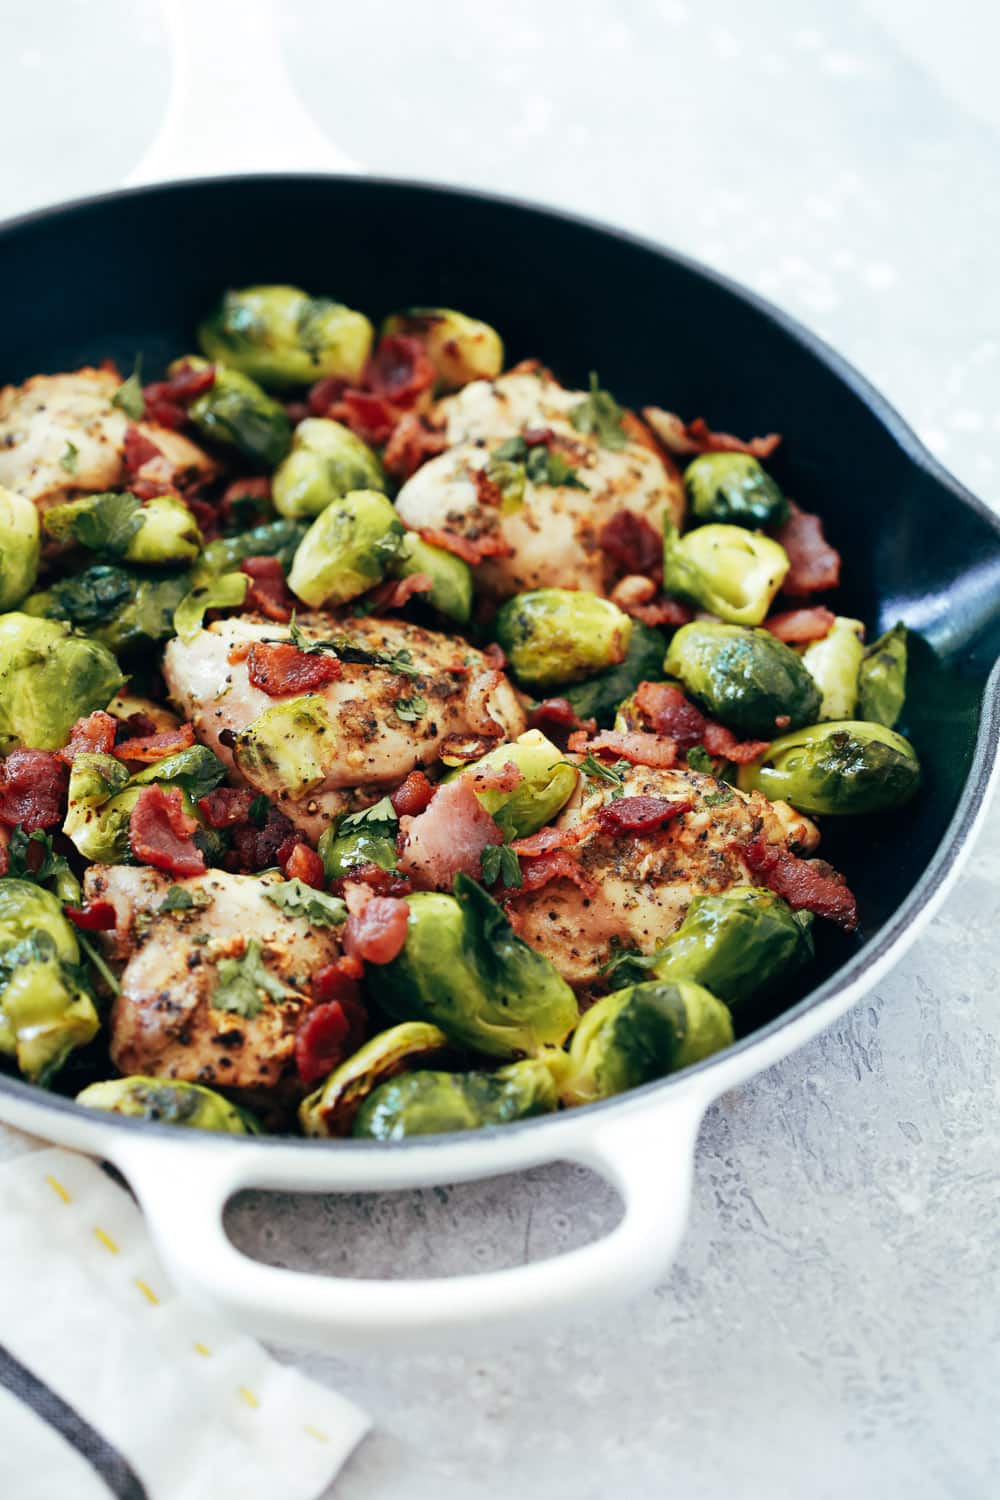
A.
pixel 231 107
pixel 648 1156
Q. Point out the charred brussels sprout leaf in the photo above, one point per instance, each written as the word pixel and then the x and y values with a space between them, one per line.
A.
pixel 49 678
pixel 236 413
pixel 598 697
pixel 843 767
pixel 18 547
pixel 728 570
pixel 556 636
pixel 747 678
pixel 459 347
pixel 737 943
pixel 346 550
pixel 281 336
pixel 882 678
pixel 225 592
pixel 547 785
pixel 102 795
pixel 168 1101
pixel 271 539
pixel 45 1010
pixel 733 489
pixel 432 1103
pixel 326 463
pixel 333 1106
pixel 196 770
pixel 833 665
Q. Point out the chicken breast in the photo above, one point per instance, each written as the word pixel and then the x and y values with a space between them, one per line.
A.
pixel 164 1022
pixel 643 884
pixel 336 750
pixel 60 437
pixel 554 533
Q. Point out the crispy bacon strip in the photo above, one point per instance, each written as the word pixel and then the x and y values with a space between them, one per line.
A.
pixel 267 592
pixel 33 789
pixel 96 916
pixel 226 806
pixel 160 832
pixel 665 707
pixel 470 549
pixel 152 747
pixel 411 443
pixel 640 749
pixel 558 864
pixel 447 838
pixel 394 593
pixel 558 713
pixel 399 370
pixel 797 626
pixel 685 438
pixel 806 884
pixel 547 840
pixel 280 669
pixel 814 565
pixel 94 735
pixel 641 814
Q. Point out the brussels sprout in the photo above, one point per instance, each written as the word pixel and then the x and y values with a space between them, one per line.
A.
pixel 737 943
pixel 18 547
pixel 44 1009
pixel 733 488
pixel 102 795
pixel 555 636
pixel 644 1032
pixel 282 336
pixel 168 534
pixel 436 1103
pixel 361 838
pixel 463 969
pixel 346 550
pixel 460 348
pixel 278 539
pixel 548 784
pixel 882 678
pixel 124 610
pixel 49 678
pixel 163 531
pixel 236 413
pixel 598 698
pixel 330 1110
pixel 326 463
pixel 451 578
pixel 842 767
pixel 747 678
pixel 728 570
pixel 286 750
pixel 196 770
pixel 169 1101
pixel 833 665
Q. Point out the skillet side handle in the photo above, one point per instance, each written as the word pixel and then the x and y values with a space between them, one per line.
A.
pixel 648 1157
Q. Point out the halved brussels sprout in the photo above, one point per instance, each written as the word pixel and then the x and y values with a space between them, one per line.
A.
pixel 162 531
pixel 286 750
pixel 102 795
pixel 271 539
pixel 737 943
pixel 331 1109
pixel 282 336
pixel 747 678
pixel 833 665
pixel 733 489
pixel 845 767
pixel 598 698
pixel 548 784
pixel 326 463
pixel 555 636
pixel 434 1103
pixel 460 348
pixel 45 1011
pixel 450 576
pixel 463 968
pixel 728 570
pixel 644 1032
pixel 361 838
pixel 169 1101
pixel 49 678
pixel 237 413
pixel 18 547
pixel 346 550
pixel 882 678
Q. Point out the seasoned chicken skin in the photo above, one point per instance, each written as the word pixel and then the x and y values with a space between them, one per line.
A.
pixel 164 1023
pixel 384 723
pixel 643 883
pixel 554 533
pixel 60 437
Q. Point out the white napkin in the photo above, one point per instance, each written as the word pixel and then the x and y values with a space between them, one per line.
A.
pixel 112 1384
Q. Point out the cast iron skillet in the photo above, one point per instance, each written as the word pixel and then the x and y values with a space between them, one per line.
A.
pixel 135 270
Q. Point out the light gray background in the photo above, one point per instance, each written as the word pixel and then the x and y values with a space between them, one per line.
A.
pixel 831 1326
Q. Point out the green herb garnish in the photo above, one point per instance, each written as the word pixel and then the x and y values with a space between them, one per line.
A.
pixel 128 397
pixel 499 862
pixel 68 459
pixel 301 900
pixel 410 709
pixel 244 982
pixel 178 899
pixel 699 759
pixel 600 415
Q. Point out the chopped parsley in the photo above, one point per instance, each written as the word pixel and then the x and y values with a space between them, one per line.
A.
pixel 514 461
pixel 68 459
pixel 499 862
pixel 719 798
pixel 600 415
pixel 300 900
pixel 258 811
pixel 47 865
pixel 128 397
pixel 699 759
pixel 104 523
pixel 243 984
pixel 179 899
pixel 400 662
pixel 596 770
pixel 411 709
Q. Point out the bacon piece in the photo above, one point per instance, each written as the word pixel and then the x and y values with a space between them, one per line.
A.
pixel 559 864
pixel 448 837
pixel 796 626
pixel 488 492
pixel 152 747
pixel 394 593
pixel 160 832
pixel 256 489
pixel 495 656
pixel 465 747
pixel 226 805
pixel 94 735
pixel 639 749
pixel 663 705
pixel 256 848
pixel 5 849
pixel 814 564
pixel 470 549
pixel 547 840
pixel 721 742
pixel 370 417
pixel 503 778
pixel 305 864
pixel 33 789
pixel 678 436
pixel 377 933
pixel 336 1027
pixel 806 884
pixel 280 669
pixel 325 393
pixel 267 592
pixel 559 713
pixel 206 516
pixel 641 814
pixel 399 369
pixel 411 443
pixel 139 449
pixel 413 796
pixel 380 882
pixel 632 543
pixel 167 400
pixel 662 611
pixel 96 916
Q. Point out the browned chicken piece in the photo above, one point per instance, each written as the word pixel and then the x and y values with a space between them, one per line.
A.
pixel 338 749
pixel 636 887
pixel 164 1022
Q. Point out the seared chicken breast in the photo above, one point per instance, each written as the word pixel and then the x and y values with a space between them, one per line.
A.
pixel 322 753
pixel 553 533
pixel 636 888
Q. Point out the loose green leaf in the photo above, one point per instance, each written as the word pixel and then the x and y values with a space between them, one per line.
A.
pixel 128 397
pixel 500 862
pixel 179 899
pixel 68 459
pixel 699 759
pixel 600 415
pixel 196 770
pixel 410 709
pixel 545 466
pixel 96 960
pixel 400 662
pixel 225 592
pixel 596 770
pixel 244 984
pixel 301 900
pixel 104 523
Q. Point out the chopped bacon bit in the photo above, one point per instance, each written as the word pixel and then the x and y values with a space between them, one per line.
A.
pixel 381 882
pixel 280 669
pixel 370 417
pixel 470 549
pixel 683 437
pixel 5 849
pixel 400 370
pixel 477 703
pixel 814 564
pixel 139 449
pixel 664 706
pixel 465 747
pixel 656 750
pixel 559 713
pixel 96 916
pixel 226 805
pixel 721 742
pixel 94 735
pixel 488 492
pixel 641 814
pixel 256 848
pixel 559 864
pixel 305 864
pixel 335 1028
pixel 448 838
pixel 394 593
pixel 267 592
pixel 413 796
pixel 256 489
pixel 206 516
pixel 298 411
pixel 632 543
pixel 546 840
pixel 503 778
pixel 495 656
pixel 806 884
pixel 136 726
pixel 151 747
pixel 325 393
pixel 160 832
pixel 167 400
pixel 662 611
pixel 33 789
pixel 330 981
pixel 377 934
pixel 411 443
pixel 797 626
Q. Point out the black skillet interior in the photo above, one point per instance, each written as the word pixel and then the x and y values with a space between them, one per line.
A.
pixel 134 272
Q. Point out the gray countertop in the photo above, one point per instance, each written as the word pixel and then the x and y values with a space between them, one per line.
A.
pixel 832 1324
